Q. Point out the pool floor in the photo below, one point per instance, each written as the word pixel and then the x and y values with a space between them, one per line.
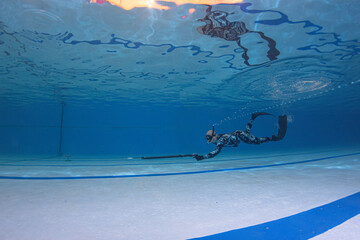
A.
pixel 274 195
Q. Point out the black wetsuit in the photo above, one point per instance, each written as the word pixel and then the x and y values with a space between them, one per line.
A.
pixel 233 139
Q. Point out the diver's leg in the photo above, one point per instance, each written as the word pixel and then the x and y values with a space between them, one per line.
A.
pixel 249 125
pixel 251 139
pixel 261 140
pixel 253 116
pixel 247 137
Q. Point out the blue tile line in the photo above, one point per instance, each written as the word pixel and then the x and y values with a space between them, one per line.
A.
pixel 301 226
pixel 178 173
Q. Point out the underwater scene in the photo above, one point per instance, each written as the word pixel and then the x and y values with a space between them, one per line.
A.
pixel 179 119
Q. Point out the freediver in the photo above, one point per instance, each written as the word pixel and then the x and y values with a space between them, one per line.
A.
pixel 233 139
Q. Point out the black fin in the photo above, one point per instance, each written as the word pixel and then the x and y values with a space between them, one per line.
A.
pixel 255 115
pixel 282 128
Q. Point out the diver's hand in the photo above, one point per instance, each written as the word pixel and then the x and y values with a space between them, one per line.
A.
pixel 198 158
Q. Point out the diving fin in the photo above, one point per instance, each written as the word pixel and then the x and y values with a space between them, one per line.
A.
pixel 282 128
pixel 255 115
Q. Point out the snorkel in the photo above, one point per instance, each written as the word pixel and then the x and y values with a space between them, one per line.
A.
pixel 209 137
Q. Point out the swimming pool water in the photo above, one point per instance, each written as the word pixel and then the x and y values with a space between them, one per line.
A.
pixel 88 87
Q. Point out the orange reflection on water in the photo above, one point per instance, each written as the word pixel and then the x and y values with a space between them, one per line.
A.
pixel 130 4
pixel 192 10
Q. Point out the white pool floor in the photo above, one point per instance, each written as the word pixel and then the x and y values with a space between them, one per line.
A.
pixel 274 195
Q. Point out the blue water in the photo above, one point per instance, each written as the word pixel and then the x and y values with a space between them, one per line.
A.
pixel 147 81
pixel 117 130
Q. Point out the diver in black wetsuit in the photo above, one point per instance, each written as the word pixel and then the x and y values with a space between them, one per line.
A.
pixel 233 139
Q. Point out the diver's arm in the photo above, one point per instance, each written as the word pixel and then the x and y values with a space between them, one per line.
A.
pixel 211 154
pixel 215 152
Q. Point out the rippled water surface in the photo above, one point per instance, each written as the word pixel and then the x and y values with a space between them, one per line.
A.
pixel 263 51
